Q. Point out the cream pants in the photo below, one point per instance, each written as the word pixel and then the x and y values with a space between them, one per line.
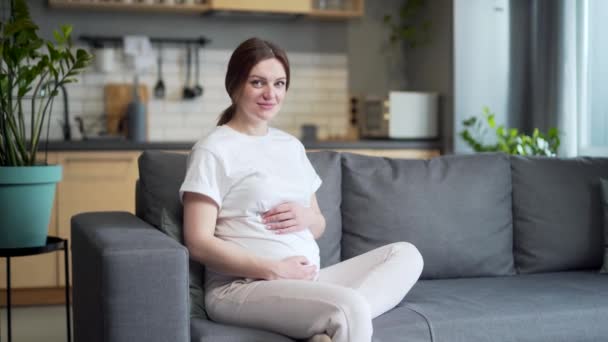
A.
pixel 341 303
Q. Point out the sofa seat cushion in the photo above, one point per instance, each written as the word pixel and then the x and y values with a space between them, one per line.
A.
pixel 567 306
pixel 455 209
pixel 202 330
pixel 401 324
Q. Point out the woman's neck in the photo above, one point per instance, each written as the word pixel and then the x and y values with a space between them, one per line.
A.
pixel 257 129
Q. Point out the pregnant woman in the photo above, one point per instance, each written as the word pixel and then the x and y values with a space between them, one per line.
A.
pixel 251 216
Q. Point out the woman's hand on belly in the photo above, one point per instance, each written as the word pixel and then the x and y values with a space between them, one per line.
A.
pixel 288 217
pixel 295 267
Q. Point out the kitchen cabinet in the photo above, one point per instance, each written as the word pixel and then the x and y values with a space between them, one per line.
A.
pixel 92 181
pixel 328 9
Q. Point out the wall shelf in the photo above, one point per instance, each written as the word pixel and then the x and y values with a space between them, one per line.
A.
pixel 133 7
pixel 330 9
pixel 100 40
pixel 303 7
pixel 266 6
pixel 335 14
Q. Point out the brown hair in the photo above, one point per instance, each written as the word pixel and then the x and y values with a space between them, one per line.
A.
pixel 243 59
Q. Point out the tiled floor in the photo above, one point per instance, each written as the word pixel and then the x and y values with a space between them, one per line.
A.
pixel 36 324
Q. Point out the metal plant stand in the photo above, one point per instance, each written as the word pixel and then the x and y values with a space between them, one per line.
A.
pixel 53 244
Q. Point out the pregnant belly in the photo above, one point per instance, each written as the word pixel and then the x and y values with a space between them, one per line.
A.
pixel 254 237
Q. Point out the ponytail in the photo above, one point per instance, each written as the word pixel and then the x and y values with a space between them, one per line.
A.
pixel 227 115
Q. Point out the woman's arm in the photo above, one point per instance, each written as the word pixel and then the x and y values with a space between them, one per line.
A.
pixel 317 225
pixel 200 216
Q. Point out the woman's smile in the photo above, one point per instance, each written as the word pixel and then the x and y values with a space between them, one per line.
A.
pixel 266 106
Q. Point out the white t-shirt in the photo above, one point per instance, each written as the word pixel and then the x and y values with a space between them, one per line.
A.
pixel 247 176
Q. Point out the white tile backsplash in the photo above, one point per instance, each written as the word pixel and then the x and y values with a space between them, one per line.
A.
pixel 318 94
pixel 156 134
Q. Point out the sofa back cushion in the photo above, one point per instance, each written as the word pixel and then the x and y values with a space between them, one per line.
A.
pixel 329 197
pixel 604 191
pixel 160 174
pixel 557 214
pixel 160 177
pixel 455 209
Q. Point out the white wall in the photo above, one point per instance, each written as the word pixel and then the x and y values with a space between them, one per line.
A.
pixel 481 62
pixel 598 74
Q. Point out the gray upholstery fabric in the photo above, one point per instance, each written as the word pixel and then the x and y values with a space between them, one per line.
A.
pixel 160 177
pixel 130 282
pixel 139 210
pixel 401 324
pixel 552 307
pixel 557 216
pixel 203 330
pixel 455 209
pixel 329 197
pixel 604 190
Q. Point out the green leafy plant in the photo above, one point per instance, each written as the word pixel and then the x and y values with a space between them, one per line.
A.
pixel 510 141
pixel 410 27
pixel 31 76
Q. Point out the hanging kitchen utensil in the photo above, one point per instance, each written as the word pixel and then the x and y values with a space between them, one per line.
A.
pixel 188 92
pixel 136 115
pixel 198 88
pixel 159 88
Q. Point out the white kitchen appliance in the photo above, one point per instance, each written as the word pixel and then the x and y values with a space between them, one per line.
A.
pixel 403 115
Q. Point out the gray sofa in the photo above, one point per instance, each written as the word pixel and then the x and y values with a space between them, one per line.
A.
pixel 511 246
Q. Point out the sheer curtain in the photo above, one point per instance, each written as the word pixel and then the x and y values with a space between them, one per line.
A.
pixel 568 74
pixel 544 48
pixel 536 64
pixel 593 78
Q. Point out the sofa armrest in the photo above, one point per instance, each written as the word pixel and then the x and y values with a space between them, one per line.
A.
pixel 130 281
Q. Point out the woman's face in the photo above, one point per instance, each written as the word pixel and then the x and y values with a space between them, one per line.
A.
pixel 262 94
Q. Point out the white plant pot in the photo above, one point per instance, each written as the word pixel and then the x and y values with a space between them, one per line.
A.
pixel 414 115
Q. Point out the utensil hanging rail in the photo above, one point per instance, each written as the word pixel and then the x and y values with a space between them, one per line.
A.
pixel 96 41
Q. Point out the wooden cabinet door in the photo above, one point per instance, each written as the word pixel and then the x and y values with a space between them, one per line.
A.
pixel 94 181
pixel 36 270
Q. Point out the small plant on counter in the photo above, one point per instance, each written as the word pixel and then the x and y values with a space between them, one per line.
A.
pixel 509 141
pixel 410 26
pixel 31 72
pixel 409 29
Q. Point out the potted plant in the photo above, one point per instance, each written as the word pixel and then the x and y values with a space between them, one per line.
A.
pixel 410 29
pixel 31 71
pixel 509 141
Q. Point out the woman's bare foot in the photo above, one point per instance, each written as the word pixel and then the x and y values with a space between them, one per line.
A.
pixel 319 338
